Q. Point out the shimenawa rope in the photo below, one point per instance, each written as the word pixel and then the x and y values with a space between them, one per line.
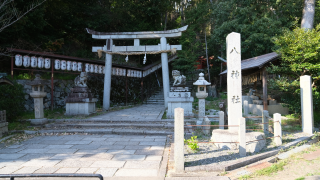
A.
pixel 173 51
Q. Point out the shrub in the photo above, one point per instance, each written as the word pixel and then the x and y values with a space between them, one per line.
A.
pixel 12 100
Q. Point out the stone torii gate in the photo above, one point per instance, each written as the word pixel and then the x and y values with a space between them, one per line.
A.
pixel 136 36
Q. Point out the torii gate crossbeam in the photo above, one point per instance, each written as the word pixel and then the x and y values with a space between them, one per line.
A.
pixel 136 36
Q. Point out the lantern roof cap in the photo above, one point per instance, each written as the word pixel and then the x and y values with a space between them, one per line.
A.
pixel 37 81
pixel 201 81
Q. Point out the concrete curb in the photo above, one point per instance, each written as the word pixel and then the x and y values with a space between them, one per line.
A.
pixel 163 167
pixel 239 162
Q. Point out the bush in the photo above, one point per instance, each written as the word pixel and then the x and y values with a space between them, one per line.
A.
pixel 12 100
pixel 300 55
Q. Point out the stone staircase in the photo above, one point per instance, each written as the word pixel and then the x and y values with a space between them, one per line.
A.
pixel 156 98
pixel 144 119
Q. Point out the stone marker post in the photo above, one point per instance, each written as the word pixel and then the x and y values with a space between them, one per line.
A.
pixel 245 108
pixel 277 129
pixel 265 119
pixel 242 136
pixel 221 120
pixel 306 104
pixel 234 79
pixel 179 140
pixel 206 129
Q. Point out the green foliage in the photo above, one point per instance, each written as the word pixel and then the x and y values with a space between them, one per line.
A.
pixel 300 55
pixel 192 143
pixel 21 125
pixel 267 171
pixel 12 100
pixel 223 96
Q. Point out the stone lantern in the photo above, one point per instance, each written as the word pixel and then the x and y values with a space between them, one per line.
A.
pixel 38 94
pixel 201 94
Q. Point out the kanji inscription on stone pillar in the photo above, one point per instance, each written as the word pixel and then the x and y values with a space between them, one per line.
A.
pixel 234 79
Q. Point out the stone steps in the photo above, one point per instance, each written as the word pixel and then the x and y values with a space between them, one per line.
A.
pixel 105 131
pixel 105 121
pixel 109 125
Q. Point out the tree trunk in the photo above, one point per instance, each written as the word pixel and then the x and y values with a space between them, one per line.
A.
pixel 165 22
pixel 182 16
pixel 308 14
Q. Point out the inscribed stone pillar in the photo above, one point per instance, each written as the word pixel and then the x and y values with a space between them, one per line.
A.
pixel 38 108
pixel 165 71
pixel 179 140
pixel 306 104
pixel 234 79
pixel 221 120
pixel 202 108
pixel 107 79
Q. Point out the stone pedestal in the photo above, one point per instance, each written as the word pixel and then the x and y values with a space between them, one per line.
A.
pixel 180 100
pixel 80 102
pixel 219 135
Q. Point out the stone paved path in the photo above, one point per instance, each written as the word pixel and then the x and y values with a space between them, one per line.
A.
pixel 144 112
pixel 108 155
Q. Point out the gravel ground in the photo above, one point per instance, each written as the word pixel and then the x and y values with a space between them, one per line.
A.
pixel 208 153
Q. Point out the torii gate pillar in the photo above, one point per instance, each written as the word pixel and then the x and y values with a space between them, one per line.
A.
pixel 107 79
pixel 165 71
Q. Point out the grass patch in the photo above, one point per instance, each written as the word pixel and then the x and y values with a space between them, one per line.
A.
pixel 250 124
pixel 164 116
pixel 267 171
pixel 21 125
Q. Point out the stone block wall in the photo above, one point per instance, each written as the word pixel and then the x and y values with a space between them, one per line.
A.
pixel 96 85
pixel 61 90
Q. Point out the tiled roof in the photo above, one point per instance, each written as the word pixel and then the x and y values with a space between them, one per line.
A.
pixel 255 62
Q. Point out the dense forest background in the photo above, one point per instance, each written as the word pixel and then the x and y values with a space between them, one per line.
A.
pixel 59 26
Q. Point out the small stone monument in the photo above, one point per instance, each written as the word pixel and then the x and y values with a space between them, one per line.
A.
pixel 38 94
pixel 179 96
pixel 80 101
pixel 201 94
pixel 3 123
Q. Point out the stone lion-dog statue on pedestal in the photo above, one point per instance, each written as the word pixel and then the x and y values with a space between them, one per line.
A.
pixel 179 80
pixel 81 80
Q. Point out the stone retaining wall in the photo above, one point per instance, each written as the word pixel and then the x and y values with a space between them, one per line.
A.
pixel 96 85
pixel 61 90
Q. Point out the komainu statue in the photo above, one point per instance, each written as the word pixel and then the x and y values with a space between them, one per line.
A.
pixel 179 80
pixel 81 81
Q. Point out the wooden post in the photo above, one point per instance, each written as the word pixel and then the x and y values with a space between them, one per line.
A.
pixel 52 86
pixel 126 87
pixel 12 68
pixel 264 87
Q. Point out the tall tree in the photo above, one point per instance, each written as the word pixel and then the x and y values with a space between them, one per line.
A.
pixel 308 14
